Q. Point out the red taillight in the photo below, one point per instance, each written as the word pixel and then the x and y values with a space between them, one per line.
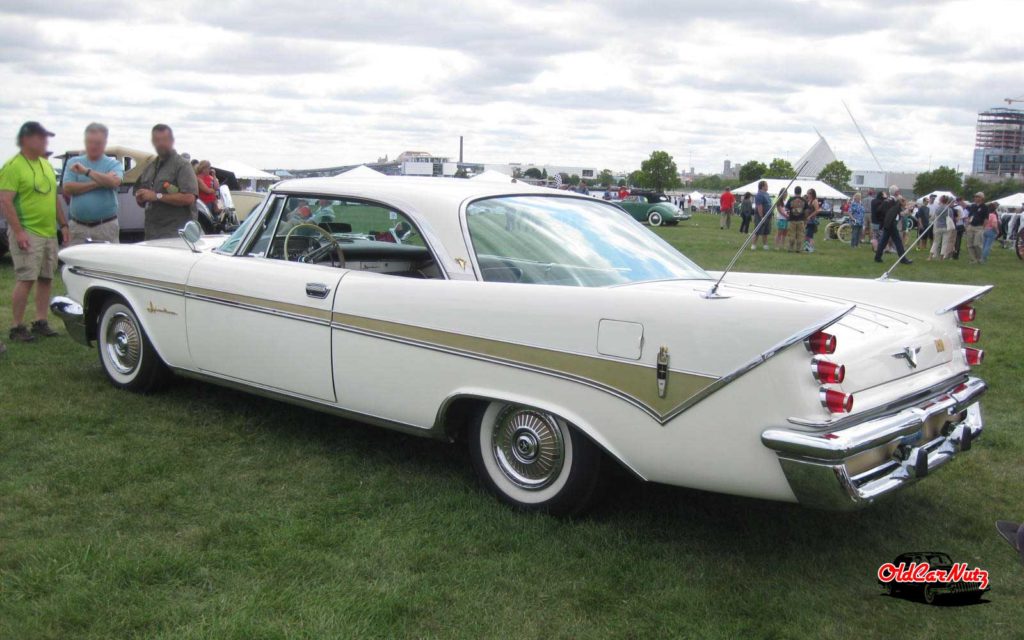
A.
pixel 828 372
pixel 965 313
pixel 974 356
pixel 821 343
pixel 970 335
pixel 836 401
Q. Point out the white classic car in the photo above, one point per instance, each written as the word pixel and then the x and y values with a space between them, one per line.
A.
pixel 554 333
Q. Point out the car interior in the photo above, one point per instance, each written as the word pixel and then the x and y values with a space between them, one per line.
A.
pixel 349 234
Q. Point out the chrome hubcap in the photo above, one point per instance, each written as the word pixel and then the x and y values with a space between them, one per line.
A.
pixel 123 344
pixel 528 447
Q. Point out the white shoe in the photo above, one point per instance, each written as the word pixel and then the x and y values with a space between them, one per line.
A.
pixel 753 247
pixel 764 247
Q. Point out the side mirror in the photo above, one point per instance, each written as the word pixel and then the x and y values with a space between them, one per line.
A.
pixel 190 234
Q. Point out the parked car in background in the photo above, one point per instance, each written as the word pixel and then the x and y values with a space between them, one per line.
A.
pixel 551 332
pixel 653 208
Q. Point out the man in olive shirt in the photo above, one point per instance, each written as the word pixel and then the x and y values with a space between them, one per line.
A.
pixel 167 188
pixel 30 202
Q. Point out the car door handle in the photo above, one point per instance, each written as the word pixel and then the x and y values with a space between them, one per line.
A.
pixel 317 290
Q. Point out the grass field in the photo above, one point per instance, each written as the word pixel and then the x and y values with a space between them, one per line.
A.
pixel 206 513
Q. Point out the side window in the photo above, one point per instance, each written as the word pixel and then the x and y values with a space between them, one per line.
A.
pixel 357 235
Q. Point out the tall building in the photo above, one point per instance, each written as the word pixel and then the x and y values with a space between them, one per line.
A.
pixel 999 142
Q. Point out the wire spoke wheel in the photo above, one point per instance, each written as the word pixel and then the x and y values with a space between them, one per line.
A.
pixel 845 232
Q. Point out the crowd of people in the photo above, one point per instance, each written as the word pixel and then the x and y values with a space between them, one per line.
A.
pixel 35 210
pixel 885 219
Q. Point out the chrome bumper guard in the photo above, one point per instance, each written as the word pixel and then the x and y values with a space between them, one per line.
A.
pixel 815 463
pixel 73 316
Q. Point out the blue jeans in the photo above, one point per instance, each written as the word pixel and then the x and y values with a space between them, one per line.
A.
pixel 855 238
pixel 987 241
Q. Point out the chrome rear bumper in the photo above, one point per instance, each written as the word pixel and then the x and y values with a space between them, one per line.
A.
pixel 73 316
pixel 817 463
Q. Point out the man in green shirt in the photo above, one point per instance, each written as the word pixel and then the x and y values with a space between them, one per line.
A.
pixel 31 204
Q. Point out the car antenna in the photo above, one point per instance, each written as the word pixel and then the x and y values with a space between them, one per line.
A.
pixel 885 276
pixel 713 291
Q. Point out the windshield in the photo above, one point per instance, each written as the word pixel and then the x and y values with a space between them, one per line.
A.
pixel 231 244
pixel 568 241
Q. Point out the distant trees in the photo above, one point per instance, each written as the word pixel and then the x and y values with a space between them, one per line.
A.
pixel 714 183
pixel 533 173
pixel 606 178
pixel 659 172
pixel 780 168
pixel 752 170
pixel 836 175
pixel 992 190
pixel 636 179
pixel 941 179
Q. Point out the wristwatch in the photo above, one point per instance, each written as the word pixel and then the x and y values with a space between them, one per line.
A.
pixel 88 172
pixel 159 196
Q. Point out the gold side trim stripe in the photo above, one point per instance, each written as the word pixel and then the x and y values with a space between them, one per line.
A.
pixel 631 380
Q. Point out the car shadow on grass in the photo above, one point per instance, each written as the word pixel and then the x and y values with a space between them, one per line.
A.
pixel 725 525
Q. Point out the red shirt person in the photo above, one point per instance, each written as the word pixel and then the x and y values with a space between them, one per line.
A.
pixel 727 201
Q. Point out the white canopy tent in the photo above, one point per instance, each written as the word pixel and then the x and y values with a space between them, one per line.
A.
pixel 362 171
pixel 490 175
pixel 1016 201
pixel 256 178
pixel 695 195
pixel 822 189
pixel 938 195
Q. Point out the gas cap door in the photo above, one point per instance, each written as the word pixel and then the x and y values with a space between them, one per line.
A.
pixel 620 339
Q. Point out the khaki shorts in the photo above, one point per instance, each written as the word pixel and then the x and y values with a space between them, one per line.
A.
pixel 106 232
pixel 39 262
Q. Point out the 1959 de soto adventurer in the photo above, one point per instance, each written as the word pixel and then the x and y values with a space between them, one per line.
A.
pixel 553 332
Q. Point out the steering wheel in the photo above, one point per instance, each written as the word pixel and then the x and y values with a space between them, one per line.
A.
pixel 321 231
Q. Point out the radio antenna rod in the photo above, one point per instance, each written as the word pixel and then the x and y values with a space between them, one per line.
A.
pixel 713 291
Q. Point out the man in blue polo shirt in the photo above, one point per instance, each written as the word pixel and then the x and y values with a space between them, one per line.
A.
pixel 92 180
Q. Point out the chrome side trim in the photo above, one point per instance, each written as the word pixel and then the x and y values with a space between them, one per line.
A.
pixel 191 295
pixel 971 298
pixel 310 403
pixel 120 278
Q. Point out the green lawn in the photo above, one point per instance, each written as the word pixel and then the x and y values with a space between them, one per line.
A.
pixel 202 512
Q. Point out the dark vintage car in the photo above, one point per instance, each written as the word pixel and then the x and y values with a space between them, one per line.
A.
pixel 932 592
pixel 653 208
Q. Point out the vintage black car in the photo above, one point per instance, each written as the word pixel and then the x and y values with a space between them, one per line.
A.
pixel 932 592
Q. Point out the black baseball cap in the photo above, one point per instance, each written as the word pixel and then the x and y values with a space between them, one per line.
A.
pixel 33 128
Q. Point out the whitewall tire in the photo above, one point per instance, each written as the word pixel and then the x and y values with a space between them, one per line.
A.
pixel 534 460
pixel 654 219
pixel 125 352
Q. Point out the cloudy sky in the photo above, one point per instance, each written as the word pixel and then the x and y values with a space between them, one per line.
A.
pixel 282 84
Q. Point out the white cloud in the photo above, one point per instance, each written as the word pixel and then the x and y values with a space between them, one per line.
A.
pixel 313 84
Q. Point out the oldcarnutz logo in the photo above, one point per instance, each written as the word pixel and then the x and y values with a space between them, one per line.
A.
pixel 923 573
